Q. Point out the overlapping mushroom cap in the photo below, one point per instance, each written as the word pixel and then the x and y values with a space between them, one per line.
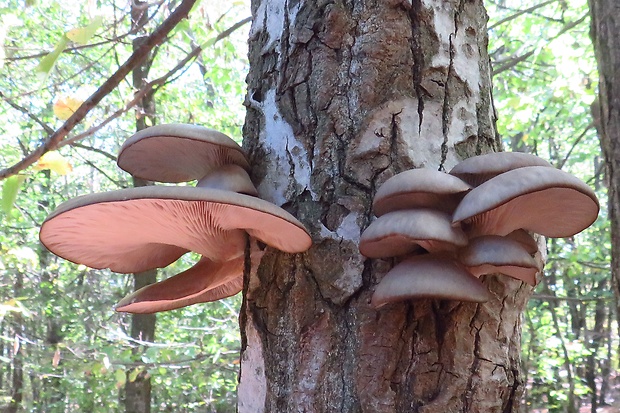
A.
pixel 138 229
pixel 178 153
pixel 492 201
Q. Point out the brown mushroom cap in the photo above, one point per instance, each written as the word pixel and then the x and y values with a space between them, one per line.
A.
pixel 206 281
pixel 137 229
pixel 492 254
pixel 429 276
pixel 419 188
pixel 178 153
pixel 403 232
pixel 543 200
pixel 479 169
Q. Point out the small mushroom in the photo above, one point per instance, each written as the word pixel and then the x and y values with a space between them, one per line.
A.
pixel 492 254
pixel 178 153
pixel 419 188
pixel 206 281
pixel 479 169
pixel 540 199
pixel 407 231
pixel 429 276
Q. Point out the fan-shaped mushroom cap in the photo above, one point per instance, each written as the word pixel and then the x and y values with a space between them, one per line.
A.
pixel 429 276
pixel 478 169
pixel 419 188
pixel 402 232
pixel 206 281
pixel 137 229
pixel 491 254
pixel 178 153
pixel 543 200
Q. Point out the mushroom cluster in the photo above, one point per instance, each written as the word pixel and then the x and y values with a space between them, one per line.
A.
pixel 138 229
pixel 450 229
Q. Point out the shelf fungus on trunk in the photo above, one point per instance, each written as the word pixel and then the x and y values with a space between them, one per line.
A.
pixel 491 201
pixel 137 229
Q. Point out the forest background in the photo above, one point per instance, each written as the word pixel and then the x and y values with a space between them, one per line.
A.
pixel 64 349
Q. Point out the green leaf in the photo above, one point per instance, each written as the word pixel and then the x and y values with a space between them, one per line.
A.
pixel 10 189
pixel 47 63
pixel 120 377
pixel 133 375
pixel 82 35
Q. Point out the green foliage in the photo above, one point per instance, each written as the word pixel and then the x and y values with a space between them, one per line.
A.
pixel 56 317
pixel 544 83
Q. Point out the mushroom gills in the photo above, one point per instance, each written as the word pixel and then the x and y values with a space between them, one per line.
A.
pixel 191 286
pixel 492 254
pixel 543 200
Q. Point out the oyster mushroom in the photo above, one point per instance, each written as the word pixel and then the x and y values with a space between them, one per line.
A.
pixel 419 188
pixel 492 254
pixel 481 168
pixel 408 231
pixel 429 276
pixel 206 281
pixel 178 153
pixel 543 200
pixel 137 229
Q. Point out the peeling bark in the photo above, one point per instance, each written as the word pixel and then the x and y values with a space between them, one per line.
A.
pixel 343 95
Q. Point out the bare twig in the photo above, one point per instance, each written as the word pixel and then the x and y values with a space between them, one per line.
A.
pixel 516 60
pixel 48 129
pixel 110 84
pixel 545 297
pixel 147 88
pixel 519 13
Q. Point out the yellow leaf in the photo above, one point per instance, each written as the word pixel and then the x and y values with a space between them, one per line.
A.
pixel 54 162
pixel 65 106
pixel 82 35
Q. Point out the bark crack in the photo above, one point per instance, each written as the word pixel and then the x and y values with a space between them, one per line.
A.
pixel 447 110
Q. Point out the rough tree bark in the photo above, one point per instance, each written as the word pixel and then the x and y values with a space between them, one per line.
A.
pixel 343 95
pixel 605 34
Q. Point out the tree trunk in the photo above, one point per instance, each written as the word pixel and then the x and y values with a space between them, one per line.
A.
pixel 605 34
pixel 138 391
pixel 343 95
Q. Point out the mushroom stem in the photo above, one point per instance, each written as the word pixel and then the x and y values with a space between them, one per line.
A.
pixel 206 281
pixel 229 177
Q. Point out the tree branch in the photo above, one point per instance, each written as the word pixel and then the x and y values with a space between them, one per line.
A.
pixel 152 85
pixel 519 13
pixel 136 58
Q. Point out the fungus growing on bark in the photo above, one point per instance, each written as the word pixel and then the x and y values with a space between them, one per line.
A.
pixel 540 199
pixel 492 254
pixel 176 153
pixel 206 281
pixel 513 193
pixel 429 276
pixel 404 232
pixel 137 229
pixel 481 168
pixel 419 188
